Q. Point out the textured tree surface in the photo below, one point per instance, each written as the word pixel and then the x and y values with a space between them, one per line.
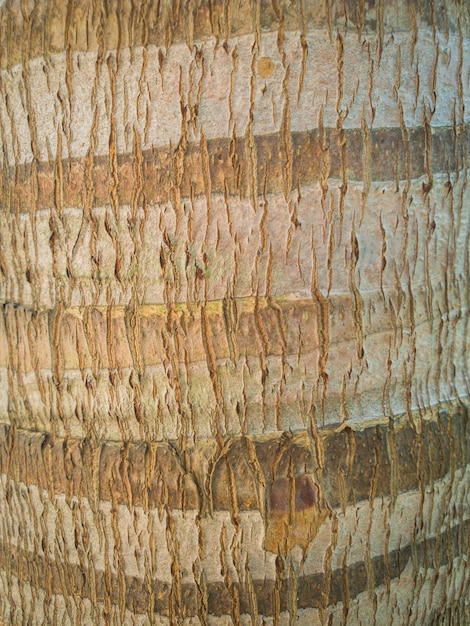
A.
pixel 234 333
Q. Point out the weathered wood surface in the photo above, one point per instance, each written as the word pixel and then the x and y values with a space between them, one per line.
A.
pixel 234 340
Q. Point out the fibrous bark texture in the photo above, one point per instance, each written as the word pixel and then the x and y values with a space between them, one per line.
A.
pixel 234 334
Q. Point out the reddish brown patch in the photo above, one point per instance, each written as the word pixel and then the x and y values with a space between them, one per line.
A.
pixel 289 525
pixel 279 497
pixel 306 493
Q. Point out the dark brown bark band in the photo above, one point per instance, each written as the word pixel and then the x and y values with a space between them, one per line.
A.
pixel 270 597
pixel 354 465
pixel 292 326
pixel 382 155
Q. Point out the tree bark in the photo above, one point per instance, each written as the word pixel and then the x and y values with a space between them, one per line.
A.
pixel 234 336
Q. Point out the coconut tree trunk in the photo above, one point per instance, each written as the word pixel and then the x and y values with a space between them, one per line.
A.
pixel 234 334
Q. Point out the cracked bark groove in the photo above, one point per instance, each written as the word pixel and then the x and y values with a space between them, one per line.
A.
pixel 234 337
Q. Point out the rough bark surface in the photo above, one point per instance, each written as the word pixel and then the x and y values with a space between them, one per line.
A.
pixel 234 334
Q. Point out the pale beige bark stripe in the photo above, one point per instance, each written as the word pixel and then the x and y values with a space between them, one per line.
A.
pixel 78 103
pixel 415 598
pixel 208 249
pixel 148 405
pixel 239 254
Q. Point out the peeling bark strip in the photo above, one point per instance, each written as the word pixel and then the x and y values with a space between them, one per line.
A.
pixel 384 157
pixel 234 332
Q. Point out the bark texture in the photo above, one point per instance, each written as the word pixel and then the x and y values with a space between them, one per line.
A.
pixel 234 334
